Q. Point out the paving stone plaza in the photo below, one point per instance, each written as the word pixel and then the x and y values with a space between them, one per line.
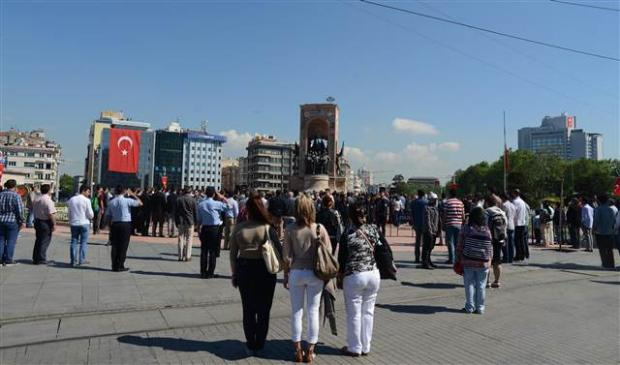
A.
pixel 560 308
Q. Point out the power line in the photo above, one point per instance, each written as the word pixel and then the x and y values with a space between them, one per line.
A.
pixel 475 58
pixel 540 43
pixel 528 56
pixel 585 5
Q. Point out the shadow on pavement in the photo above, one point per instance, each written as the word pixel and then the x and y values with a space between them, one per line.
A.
pixel 159 273
pixel 179 274
pixel 417 309
pixel 150 258
pixel 174 254
pixel 229 350
pixel 569 266
pixel 606 282
pixel 432 285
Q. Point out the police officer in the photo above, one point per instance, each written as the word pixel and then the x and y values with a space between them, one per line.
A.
pixel 210 211
pixel 119 215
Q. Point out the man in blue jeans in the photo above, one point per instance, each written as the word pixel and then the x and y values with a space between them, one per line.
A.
pixel 11 221
pixel 453 218
pixel 80 215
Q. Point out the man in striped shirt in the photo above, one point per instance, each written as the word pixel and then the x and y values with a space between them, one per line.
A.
pixel 11 221
pixel 454 216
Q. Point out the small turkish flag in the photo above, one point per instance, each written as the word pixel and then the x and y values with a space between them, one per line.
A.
pixel 124 150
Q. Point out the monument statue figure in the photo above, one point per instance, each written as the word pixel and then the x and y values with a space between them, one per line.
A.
pixel 339 160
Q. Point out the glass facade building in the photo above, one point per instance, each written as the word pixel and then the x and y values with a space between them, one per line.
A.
pixel 168 158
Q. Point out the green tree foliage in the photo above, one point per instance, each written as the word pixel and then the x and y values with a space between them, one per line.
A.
pixel 539 176
pixel 66 185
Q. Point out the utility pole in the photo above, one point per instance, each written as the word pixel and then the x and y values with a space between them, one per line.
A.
pixel 505 156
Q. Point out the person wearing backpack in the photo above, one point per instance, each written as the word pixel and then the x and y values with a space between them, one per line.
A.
pixel 546 223
pixel 474 252
pixel 430 230
pixel 497 223
pixel 331 220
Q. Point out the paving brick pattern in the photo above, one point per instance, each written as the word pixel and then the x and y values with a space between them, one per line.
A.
pixel 559 309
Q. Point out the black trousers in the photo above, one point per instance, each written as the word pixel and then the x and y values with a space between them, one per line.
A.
pixel 209 249
pixel 120 233
pixel 605 244
pixel 158 219
pixel 521 248
pixel 428 243
pixel 418 242
pixel 43 237
pixel 257 287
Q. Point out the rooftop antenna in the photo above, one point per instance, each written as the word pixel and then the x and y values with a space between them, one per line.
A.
pixel 330 99
pixel 203 126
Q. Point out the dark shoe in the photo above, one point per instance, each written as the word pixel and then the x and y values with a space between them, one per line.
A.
pixel 464 310
pixel 416 261
pixel 345 352
pixel 433 265
pixel 479 312
pixel 425 267
pixel 123 269
pixel 115 269
pixel 365 353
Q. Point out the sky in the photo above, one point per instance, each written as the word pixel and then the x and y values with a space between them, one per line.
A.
pixel 416 97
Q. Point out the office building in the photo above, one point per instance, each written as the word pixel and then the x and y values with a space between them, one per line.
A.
pixel 586 145
pixel 231 175
pixel 271 164
pixel 558 136
pixel 31 158
pixel 202 158
pixel 143 178
pixel 168 164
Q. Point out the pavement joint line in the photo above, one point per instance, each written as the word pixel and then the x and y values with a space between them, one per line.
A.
pixel 221 302
pixel 236 321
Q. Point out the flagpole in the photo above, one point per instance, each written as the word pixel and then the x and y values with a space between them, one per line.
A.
pixel 505 154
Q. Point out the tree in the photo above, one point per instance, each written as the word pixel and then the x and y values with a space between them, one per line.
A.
pixel 539 176
pixel 66 185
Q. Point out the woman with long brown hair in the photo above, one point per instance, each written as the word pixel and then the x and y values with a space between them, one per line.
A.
pixel 299 278
pixel 250 274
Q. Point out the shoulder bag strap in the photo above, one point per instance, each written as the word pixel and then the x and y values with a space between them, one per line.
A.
pixel 372 247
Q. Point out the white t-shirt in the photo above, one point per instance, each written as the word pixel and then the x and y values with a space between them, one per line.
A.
pixel 80 210
pixel 510 211
pixel 521 212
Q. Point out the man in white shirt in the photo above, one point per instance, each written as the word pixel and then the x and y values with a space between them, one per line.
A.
pixel 509 248
pixel 521 220
pixel 80 214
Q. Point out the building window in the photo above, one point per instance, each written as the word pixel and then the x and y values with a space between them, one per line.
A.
pixel 12 163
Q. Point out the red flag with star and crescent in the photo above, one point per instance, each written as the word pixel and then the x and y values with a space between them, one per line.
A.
pixel 124 150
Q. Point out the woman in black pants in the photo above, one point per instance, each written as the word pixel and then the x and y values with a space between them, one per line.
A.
pixel 250 275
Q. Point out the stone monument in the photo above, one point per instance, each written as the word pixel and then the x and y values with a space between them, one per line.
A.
pixel 321 163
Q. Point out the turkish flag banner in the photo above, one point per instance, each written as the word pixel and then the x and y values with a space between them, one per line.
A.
pixel 124 150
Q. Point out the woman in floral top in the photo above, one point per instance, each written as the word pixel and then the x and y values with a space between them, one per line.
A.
pixel 360 280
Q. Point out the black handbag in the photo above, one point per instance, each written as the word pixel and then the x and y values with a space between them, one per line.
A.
pixel 384 258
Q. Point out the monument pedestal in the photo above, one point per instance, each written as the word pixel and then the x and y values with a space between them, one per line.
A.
pixel 316 182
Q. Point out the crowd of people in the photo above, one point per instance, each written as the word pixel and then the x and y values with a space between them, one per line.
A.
pixel 481 233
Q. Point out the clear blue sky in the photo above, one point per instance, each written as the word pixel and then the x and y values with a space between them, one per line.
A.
pixel 247 66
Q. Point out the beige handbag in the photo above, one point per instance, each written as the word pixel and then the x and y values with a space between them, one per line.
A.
pixel 325 264
pixel 270 254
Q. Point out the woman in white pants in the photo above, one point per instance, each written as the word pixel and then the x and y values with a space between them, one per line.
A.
pixel 299 278
pixel 360 280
